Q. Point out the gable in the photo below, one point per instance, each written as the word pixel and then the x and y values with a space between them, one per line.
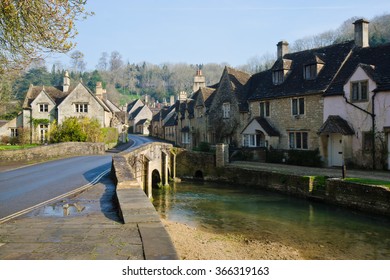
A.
pixel 43 97
pixel 80 94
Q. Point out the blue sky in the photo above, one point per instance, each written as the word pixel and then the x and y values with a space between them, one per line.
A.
pixel 206 31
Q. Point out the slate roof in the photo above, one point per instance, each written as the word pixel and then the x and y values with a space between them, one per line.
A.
pixel 332 57
pixel 238 80
pixel 263 122
pixel 336 124
pixel 135 112
pixel 55 93
pixel 374 61
pixel 141 122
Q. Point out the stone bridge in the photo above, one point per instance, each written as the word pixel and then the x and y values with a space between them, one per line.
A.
pixel 146 166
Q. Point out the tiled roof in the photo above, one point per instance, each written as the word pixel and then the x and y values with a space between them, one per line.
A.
pixel 374 61
pixel 239 80
pixel 55 93
pixel 332 57
pixel 263 122
pixel 140 122
pixel 336 124
pixel 135 112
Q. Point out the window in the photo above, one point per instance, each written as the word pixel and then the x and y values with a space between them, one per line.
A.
pixel 185 138
pixel 81 107
pixel 298 140
pixel 298 106
pixel 278 77
pixel 226 110
pixel 264 109
pixel 254 140
pixel 43 128
pixel 14 132
pixel 310 72
pixel 43 107
pixel 359 91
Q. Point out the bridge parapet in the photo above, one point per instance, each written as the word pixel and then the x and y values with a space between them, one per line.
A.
pixel 148 164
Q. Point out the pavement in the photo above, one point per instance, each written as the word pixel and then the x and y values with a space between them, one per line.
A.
pixel 313 171
pixel 88 226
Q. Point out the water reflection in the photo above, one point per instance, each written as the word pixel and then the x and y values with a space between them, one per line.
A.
pixel 322 231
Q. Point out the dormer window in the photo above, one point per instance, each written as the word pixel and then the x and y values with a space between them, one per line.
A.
pixel 313 67
pixel 280 70
pixel 278 77
pixel 310 72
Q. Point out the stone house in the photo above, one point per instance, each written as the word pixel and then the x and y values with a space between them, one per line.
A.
pixel 45 104
pixel 356 114
pixel 139 120
pixel 229 108
pixel 286 101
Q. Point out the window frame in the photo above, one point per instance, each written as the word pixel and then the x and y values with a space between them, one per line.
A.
pixel 43 107
pixel 310 71
pixel 298 106
pixel 298 140
pixel 226 110
pixel 278 77
pixel 357 95
pixel 81 107
pixel 264 108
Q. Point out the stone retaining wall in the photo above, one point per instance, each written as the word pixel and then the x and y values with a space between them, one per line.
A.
pixel 53 151
pixel 375 199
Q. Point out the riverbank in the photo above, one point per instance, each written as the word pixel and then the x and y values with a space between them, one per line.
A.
pixel 199 244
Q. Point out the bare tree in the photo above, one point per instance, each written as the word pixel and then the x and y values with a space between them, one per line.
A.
pixel 77 62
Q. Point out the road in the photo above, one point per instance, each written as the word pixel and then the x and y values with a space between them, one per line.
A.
pixel 26 188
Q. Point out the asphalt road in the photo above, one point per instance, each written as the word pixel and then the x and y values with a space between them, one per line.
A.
pixel 26 187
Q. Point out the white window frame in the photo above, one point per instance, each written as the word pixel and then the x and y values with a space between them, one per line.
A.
pixel 226 110
pixel 43 107
pixel 14 132
pixel 81 107
pixel 43 132
pixel 185 138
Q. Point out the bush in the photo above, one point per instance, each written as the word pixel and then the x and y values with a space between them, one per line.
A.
pixel 275 156
pixel 305 158
pixel 110 135
pixel 5 140
pixel 203 147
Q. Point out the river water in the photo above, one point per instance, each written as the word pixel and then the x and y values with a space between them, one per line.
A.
pixel 317 230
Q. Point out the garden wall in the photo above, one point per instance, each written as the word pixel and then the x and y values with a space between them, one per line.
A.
pixel 53 151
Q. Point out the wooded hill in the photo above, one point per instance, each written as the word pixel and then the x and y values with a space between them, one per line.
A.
pixel 127 81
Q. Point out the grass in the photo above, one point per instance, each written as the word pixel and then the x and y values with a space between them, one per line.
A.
pixel 369 181
pixel 16 147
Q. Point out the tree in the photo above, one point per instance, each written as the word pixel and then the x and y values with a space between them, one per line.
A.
pixel 30 28
pixel 77 62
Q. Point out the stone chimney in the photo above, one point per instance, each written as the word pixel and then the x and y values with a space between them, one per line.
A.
pixel 361 33
pixel 100 92
pixel 171 100
pixel 66 83
pixel 199 79
pixel 282 49
pixel 182 96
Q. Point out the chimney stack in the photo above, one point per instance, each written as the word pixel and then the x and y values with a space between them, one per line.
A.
pixel 100 92
pixel 199 79
pixel 361 33
pixel 282 49
pixel 66 83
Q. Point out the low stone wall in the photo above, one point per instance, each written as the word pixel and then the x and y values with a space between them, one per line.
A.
pixel 368 198
pixel 53 151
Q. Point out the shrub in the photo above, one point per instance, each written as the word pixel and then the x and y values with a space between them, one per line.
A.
pixel 203 147
pixel 5 139
pixel 110 135
pixel 305 158
pixel 275 156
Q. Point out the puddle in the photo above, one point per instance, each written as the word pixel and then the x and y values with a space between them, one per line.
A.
pixel 63 208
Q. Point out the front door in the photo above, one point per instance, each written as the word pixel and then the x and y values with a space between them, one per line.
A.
pixel 336 149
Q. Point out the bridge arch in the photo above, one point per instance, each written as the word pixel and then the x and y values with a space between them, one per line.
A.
pixel 156 178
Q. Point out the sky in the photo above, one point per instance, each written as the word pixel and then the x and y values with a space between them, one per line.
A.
pixel 206 31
